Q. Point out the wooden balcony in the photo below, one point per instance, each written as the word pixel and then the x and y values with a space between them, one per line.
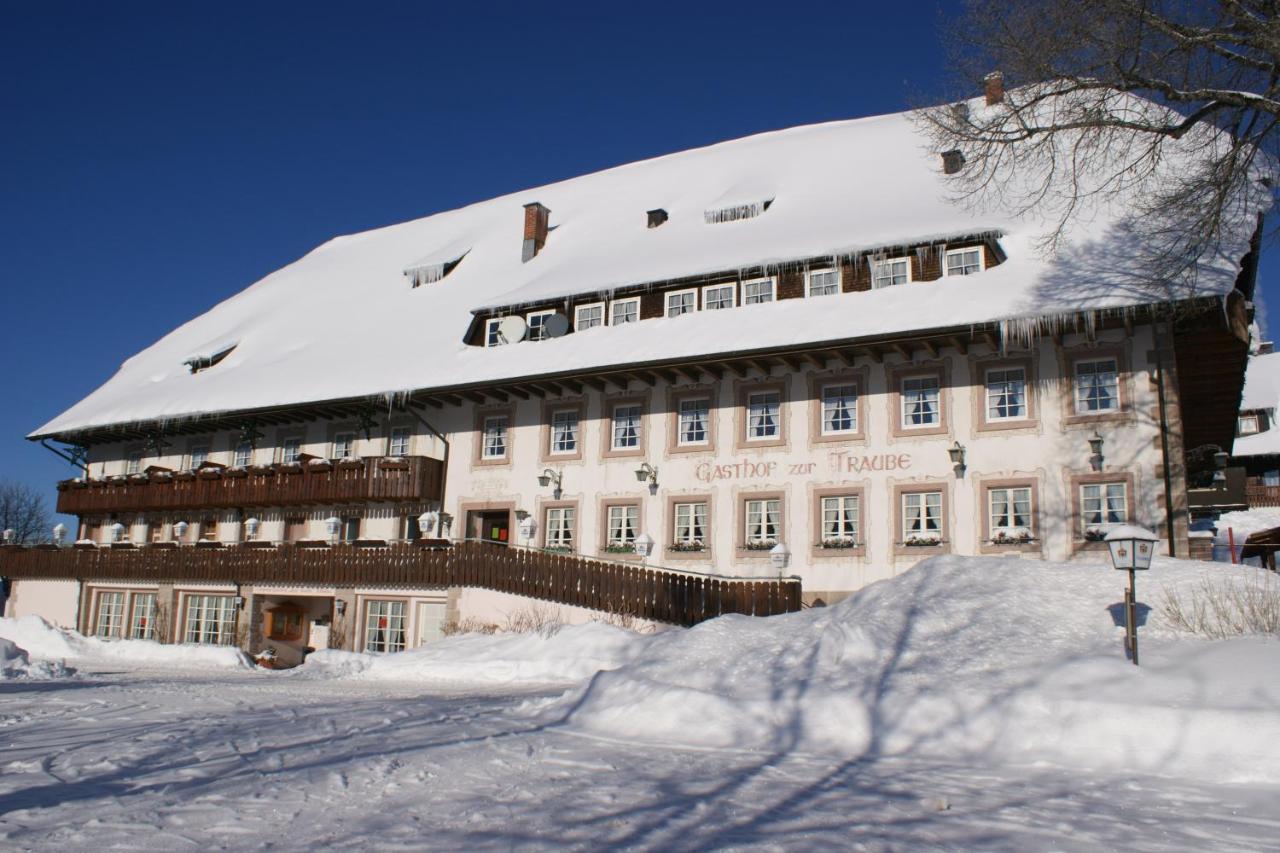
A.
pixel 647 592
pixel 409 478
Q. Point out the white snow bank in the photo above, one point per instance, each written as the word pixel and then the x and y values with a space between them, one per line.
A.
pixel 551 655
pixel 1009 660
pixel 16 663
pixel 45 642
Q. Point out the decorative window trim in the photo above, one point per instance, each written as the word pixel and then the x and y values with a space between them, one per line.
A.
pixel 708 550
pixel 528 319
pixel 744 389
pixel 248 459
pixel 675 398
pixel 606 504
pixel 740 517
pixel 478 457
pixel 808 281
pixel 732 287
pixel 613 310
pixel 544 508
pixel 549 410
pixel 985 487
pixel 896 375
pixel 577 315
pixel 773 290
pixel 1078 540
pixel 946 264
pixel 815 533
pixel 1124 388
pixel 899 534
pixel 667 296
pixel 859 378
pixel 878 263
pixel 607 450
pixel 981 368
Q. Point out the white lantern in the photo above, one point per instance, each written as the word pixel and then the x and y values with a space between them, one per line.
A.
pixel 59 533
pixel 117 532
pixel 251 526
pixel 780 556
pixel 333 524
pixel 427 524
pixel 644 544
pixel 180 531
pixel 9 535
pixel 528 527
pixel 1131 547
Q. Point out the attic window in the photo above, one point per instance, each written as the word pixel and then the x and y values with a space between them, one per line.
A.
pixel 656 216
pixel 197 363
pixel 435 266
pixel 734 212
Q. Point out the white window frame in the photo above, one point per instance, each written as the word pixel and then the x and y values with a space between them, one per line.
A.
pixel 242 456
pixel 210 619
pixel 762 521
pixel 1010 501
pixel 133 462
pixel 430 618
pixel 706 422
pixel 1076 387
pixel 757 300
pixel 715 289
pixel 1104 506
pixel 667 297
pixel 767 425
pixel 685 531
pixel 990 397
pixel 841 516
pixel 142 625
pixel 852 408
pixel 966 270
pixel 613 310
pixel 622 525
pixel 577 316
pixel 400 441
pixel 346 437
pixel 389 637
pixel 905 415
pixel 571 436
pixel 808 281
pixel 538 332
pixel 920 515
pixel 1240 425
pixel 636 429
pixel 490 449
pixel 287 458
pixel 558 524
pixel 112 610
pixel 492 338
pixel 877 268
pixel 1271 479
pixel 203 451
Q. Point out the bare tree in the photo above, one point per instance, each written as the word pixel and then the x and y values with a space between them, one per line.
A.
pixel 1171 105
pixel 23 510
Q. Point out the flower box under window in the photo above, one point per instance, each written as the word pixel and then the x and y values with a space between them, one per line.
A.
pixel 350 462
pixel 289 468
pixel 1095 534
pixel 236 472
pixel 393 464
pixel 208 543
pixel 184 475
pixel 258 543
pixel 1012 537
pixel 311 543
pixel 922 541
pixel 760 545
pixel 619 548
pixel 370 543
pixel 209 473
pixel 838 543
pixel 558 549
pixel 319 465
pixel 688 546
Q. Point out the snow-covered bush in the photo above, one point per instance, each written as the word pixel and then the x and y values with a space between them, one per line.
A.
pixel 1226 608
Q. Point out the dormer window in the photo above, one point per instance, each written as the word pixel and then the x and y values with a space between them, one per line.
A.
pixel 757 291
pixel 823 282
pixel 492 337
pixel 435 266
pixel 588 316
pixel 964 261
pixel 717 296
pixel 682 302
pixel 197 363
pixel 890 272
pixel 538 325
pixel 1247 425
pixel 624 311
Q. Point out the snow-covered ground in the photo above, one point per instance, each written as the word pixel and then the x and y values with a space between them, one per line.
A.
pixel 969 703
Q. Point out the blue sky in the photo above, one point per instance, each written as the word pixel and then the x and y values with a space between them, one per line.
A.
pixel 158 158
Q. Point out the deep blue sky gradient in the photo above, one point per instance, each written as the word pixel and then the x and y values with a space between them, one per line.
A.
pixel 158 158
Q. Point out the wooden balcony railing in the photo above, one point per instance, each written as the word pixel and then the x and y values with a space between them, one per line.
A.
pixel 647 592
pixel 1257 493
pixel 409 478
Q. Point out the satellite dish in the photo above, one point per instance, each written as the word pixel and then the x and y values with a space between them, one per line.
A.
pixel 512 329
pixel 556 325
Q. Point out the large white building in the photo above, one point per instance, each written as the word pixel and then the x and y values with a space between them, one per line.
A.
pixel 794 338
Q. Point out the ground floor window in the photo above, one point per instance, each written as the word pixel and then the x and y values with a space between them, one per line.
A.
pixel 1009 514
pixel 1102 506
pixel 560 527
pixel 384 626
pixel 921 517
pixel 431 619
pixel 764 523
pixel 690 526
pixel 110 614
pixel 142 616
pixel 840 521
pixel 623 521
pixel 211 619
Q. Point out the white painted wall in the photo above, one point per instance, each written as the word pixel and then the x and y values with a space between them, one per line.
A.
pixel 54 601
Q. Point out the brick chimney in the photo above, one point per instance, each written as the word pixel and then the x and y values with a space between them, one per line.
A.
pixel 535 229
pixel 994 87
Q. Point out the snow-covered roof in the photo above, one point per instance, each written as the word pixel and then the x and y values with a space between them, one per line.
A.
pixel 1261 391
pixel 345 321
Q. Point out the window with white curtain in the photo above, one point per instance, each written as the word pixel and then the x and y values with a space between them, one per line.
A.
pixel 1103 505
pixel 763 521
pixel 626 427
pixel 922 515
pixel 920 402
pixel 693 421
pixel 564 431
pixel 839 408
pixel 763 415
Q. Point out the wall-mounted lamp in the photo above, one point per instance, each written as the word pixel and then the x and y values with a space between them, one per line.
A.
pixel 333 524
pixel 647 473
pixel 251 526
pixel 644 544
pixel 180 531
pixel 780 554
pixel 445 520
pixel 427 523
pixel 528 527
pixel 956 453
pixel 548 477
pixel 59 533
pixel 117 532
pixel 1095 449
pixel 340 605
pixel 239 602
pixel 1220 460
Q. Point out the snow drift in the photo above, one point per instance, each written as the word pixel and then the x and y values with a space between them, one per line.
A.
pixel 16 663
pixel 1002 659
pixel 45 642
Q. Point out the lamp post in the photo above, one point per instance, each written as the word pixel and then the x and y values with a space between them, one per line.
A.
pixel 780 557
pixel 1131 550
pixel 59 533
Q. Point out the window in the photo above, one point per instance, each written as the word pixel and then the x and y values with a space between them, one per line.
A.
pixel 290 450
pixel 538 325
pixel 199 456
pixel 1102 506
pixel 1097 386
pixel 110 614
pixel 840 520
pixel 493 337
pixel 564 431
pixel 889 273
pixel 134 463
pixel 623 521
pixel 1247 425
pixel 344 445
pixel 494 441
pixel 760 290
pixel 764 523
pixel 211 619
pixel 209 529
pixel 839 409
pixel 691 525
pixel 693 421
pixel 626 427
pixel 824 282
pixel 1009 514
pixel 244 454
pixel 1006 394
pixel 682 302
pixel 1271 479
pixel 142 616
pixel 559 527
pixel 350 528
pixel 763 410
pixel 588 316
pixel 431 621
pixel 718 296
pixel 964 261
pixel 920 402
pixel 922 516
pixel 624 311
pixel 399 443
pixel 384 626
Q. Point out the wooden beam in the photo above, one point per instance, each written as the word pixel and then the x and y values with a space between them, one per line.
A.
pixel 434 403
pixel 961 345
pixel 690 373
pixel 475 397
pixel 990 339
pixel 819 362
pixel 931 347
pixel 903 350
pixel 573 385
pixel 593 382
pixel 735 369
pixel 500 396
pixel 518 391
pixel 791 361
pixel 877 355
pixel 761 365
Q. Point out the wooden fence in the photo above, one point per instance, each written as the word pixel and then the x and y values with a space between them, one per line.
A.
pixel 658 594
